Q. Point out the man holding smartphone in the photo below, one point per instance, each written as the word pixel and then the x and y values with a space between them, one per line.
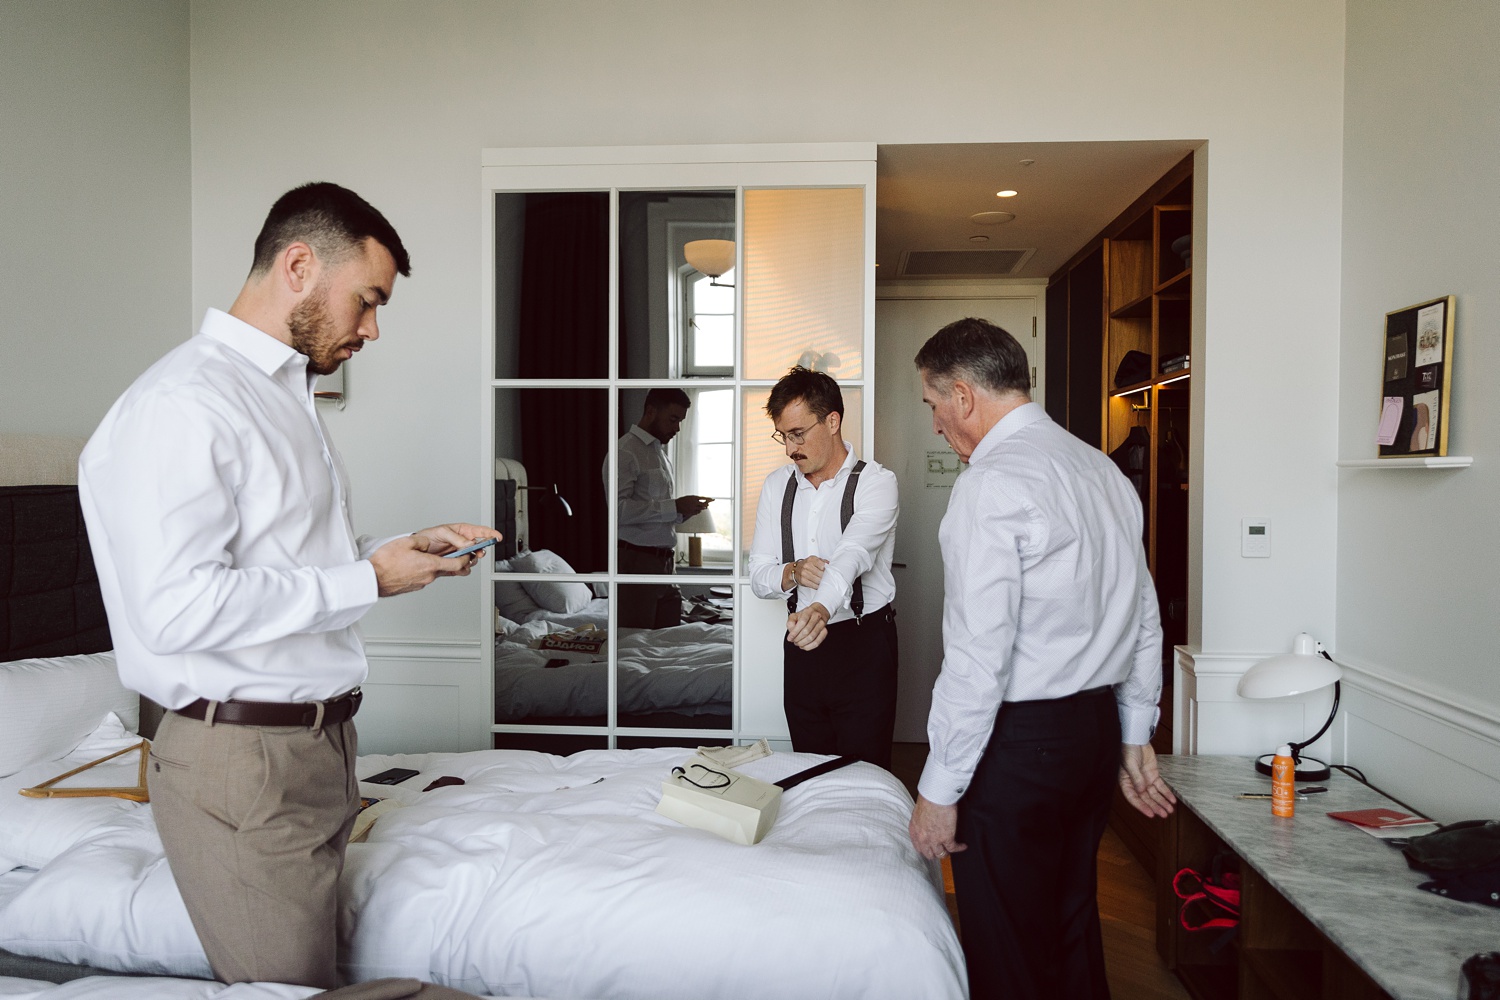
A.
pixel 648 513
pixel 219 515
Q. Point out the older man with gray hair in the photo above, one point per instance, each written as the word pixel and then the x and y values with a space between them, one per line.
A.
pixel 1051 673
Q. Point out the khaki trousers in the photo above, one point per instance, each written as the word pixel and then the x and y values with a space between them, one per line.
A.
pixel 254 820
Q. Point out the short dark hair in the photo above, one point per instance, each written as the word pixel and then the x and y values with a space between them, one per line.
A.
pixel 660 397
pixel 977 351
pixel 818 392
pixel 333 220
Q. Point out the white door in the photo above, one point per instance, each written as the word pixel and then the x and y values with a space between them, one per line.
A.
pixel 905 444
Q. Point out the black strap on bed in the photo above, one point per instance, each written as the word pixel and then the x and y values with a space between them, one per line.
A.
pixel 814 771
pixel 788 550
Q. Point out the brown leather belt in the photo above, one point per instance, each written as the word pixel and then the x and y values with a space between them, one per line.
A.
pixel 308 714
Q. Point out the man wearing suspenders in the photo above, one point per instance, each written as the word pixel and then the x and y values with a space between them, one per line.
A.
pixel 824 532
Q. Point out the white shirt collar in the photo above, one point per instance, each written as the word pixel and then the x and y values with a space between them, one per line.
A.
pixel 644 436
pixel 849 460
pixel 1022 416
pixel 260 348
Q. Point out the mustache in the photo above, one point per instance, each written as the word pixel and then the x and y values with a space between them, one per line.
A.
pixel 798 457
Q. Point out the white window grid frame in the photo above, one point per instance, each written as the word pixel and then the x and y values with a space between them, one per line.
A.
pixel 522 170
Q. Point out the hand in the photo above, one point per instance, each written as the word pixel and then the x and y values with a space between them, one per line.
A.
pixel 806 629
pixel 449 537
pixel 688 506
pixel 933 828
pixel 808 571
pixel 1142 783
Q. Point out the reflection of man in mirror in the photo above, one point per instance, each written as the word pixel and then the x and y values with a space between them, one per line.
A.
pixel 824 533
pixel 649 513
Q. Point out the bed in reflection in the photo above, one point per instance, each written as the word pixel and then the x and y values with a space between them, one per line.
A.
pixel 552 651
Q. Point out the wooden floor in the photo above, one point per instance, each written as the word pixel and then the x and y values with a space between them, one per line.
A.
pixel 1126 906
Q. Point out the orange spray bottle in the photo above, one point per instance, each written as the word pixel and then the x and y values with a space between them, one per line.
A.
pixel 1283 782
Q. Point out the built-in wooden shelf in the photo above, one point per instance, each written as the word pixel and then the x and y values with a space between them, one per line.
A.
pixel 1409 462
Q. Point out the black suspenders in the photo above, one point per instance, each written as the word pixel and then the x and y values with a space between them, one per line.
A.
pixel 788 550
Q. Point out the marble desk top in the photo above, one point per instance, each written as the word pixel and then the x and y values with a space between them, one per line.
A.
pixel 1354 888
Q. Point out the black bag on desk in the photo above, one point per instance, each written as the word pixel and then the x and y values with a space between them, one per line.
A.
pixel 1463 860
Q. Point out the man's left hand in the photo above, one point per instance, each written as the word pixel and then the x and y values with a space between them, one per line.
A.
pixel 451 537
pixel 1142 783
pixel 933 828
pixel 806 629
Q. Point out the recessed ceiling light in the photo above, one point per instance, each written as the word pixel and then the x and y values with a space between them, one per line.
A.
pixel 1007 193
pixel 979 239
pixel 1027 163
pixel 991 218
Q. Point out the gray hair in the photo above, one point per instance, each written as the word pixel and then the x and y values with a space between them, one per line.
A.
pixel 979 352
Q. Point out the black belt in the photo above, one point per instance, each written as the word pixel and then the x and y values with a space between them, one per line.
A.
pixel 650 549
pixel 308 714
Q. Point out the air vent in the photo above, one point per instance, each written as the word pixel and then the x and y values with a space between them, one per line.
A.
pixel 962 263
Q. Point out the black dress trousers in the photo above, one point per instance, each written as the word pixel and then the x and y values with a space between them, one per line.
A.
pixel 1032 818
pixel 840 698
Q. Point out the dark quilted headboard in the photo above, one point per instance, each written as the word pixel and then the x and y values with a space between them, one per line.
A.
pixel 49 592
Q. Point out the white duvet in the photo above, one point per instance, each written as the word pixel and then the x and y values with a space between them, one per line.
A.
pixel 147 988
pixel 551 876
pixel 686 668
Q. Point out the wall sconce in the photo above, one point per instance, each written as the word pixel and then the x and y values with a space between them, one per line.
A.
pixel 568 510
pixel 711 257
pixel 1307 668
pixel 701 523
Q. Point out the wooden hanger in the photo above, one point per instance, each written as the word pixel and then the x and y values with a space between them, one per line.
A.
pixel 136 793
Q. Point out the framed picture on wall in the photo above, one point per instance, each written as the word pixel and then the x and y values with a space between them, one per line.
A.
pixel 1418 376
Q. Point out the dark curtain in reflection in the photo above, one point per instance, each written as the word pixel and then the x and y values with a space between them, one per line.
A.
pixel 564 333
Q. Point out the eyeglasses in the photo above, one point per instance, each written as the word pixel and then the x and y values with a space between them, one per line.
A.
pixel 795 437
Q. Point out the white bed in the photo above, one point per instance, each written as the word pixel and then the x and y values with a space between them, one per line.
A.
pixel 147 988
pixel 552 876
pixel 539 876
pixel 686 670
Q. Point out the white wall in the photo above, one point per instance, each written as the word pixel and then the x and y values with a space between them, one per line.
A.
pixel 94 205
pixel 1419 550
pixel 396 100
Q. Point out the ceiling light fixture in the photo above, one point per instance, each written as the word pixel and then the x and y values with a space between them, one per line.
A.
pixel 1007 193
pixel 711 257
pixel 991 218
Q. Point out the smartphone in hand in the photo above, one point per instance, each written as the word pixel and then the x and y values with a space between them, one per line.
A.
pixel 472 548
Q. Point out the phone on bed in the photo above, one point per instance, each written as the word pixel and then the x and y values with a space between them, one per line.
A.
pixel 472 548
pixel 394 776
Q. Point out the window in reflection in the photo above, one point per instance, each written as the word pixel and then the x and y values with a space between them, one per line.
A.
pixel 549 447
pixel 552 285
pixel 681 675
pixel 672 324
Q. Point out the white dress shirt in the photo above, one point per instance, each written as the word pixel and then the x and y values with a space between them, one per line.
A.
pixel 648 511
pixel 1046 592
pixel 218 514
pixel 862 550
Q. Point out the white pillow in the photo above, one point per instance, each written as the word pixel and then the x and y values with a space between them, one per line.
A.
pixel 34 831
pixel 511 599
pixel 49 704
pixel 555 596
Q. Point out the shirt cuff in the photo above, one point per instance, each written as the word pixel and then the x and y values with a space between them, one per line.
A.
pixel 833 593
pixel 353 586
pixel 942 786
pixel 1138 723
